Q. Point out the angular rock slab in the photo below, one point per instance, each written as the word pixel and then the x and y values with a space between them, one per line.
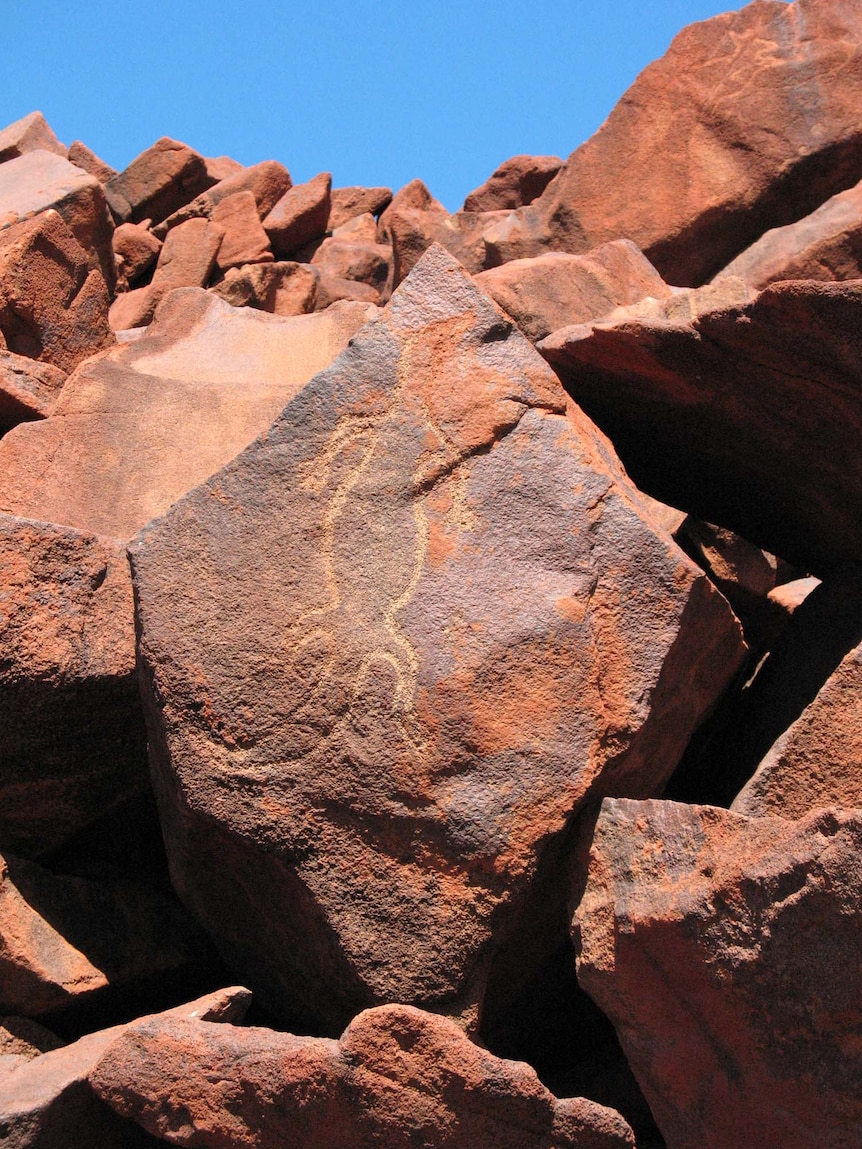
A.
pixel 818 760
pixel 398 1076
pixel 73 742
pixel 48 1103
pixel 746 412
pixel 142 425
pixel 749 121
pixel 428 618
pixel 725 950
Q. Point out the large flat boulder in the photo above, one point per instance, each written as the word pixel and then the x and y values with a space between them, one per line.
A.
pixel 749 121
pixel 398 1076
pixel 140 426
pixel 156 183
pixel 746 412
pixel 429 619
pixel 73 744
pixel 725 950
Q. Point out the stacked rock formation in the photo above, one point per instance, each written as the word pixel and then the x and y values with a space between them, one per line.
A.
pixel 447 626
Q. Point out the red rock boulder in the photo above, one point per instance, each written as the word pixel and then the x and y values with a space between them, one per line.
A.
pixel 153 418
pixel 300 216
pixel 459 625
pixel 398 1076
pixel 725 950
pixel 515 183
pixel 747 413
pixel 156 183
pixel 28 389
pixel 748 122
pixel 29 134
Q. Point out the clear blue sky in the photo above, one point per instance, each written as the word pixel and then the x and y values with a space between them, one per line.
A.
pixel 376 93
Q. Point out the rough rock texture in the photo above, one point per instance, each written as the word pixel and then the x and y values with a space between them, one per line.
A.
pixel 29 134
pixel 267 181
pixel 48 1103
pixel 398 1076
pixel 557 290
pixel 40 180
pixel 818 760
pixel 463 626
pixel 73 740
pixel 64 939
pixel 283 288
pixel 827 244
pixel 515 183
pixel 763 396
pixel 161 179
pixel 726 952
pixel 53 305
pixel 352 201
pixel 223 374
pixel 300 216
pixel 22 1039
pixel 364 262
pixel 28 389
pixel 749 121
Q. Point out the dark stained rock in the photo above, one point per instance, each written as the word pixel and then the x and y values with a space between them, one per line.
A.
pixel 748 414
pixel 40 180
pixel 818 760
pixel 136 249
pixel 749 121
pixel 29 134
pixel 515 183
pixel 726 951
pixel 300 216
pixel 362 262
pixel 463 625
pixel 827 244
pixel 66 939
pixel 73 741
pixel 222 374
pixel 156 183
pixel 398 1076
pixel 556 290
pixel 47 1103
pixel 267 181
pixel 28 389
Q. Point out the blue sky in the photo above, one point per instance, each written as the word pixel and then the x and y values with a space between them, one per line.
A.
pixel 375 93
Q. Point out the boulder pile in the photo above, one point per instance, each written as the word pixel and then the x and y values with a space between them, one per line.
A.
pixel 442 630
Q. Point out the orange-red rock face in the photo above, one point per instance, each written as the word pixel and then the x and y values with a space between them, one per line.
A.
pixel 755 924
pixel 463 625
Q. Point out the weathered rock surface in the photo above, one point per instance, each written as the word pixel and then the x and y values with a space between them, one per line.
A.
pixel 156 183
pixel 48 1103
pixel 726 951
pixel 83 157
pixel 222 375
pixel 708 407
pixel 300 216
pixel 40 180
pixel 136 249
pixel 73 740
pixel 464 625
pixel 28 389
pixel 267 181
pixel 22 1039
pixel 244 239
pixel 515 183
pixel 283 288
pixel 824 245
pixel 398 1076
pixel 29 134
pixel 64 939
pixel 53 305
pixel 352 201
pixel 557 290
pixel 748 122
pixel 818 760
